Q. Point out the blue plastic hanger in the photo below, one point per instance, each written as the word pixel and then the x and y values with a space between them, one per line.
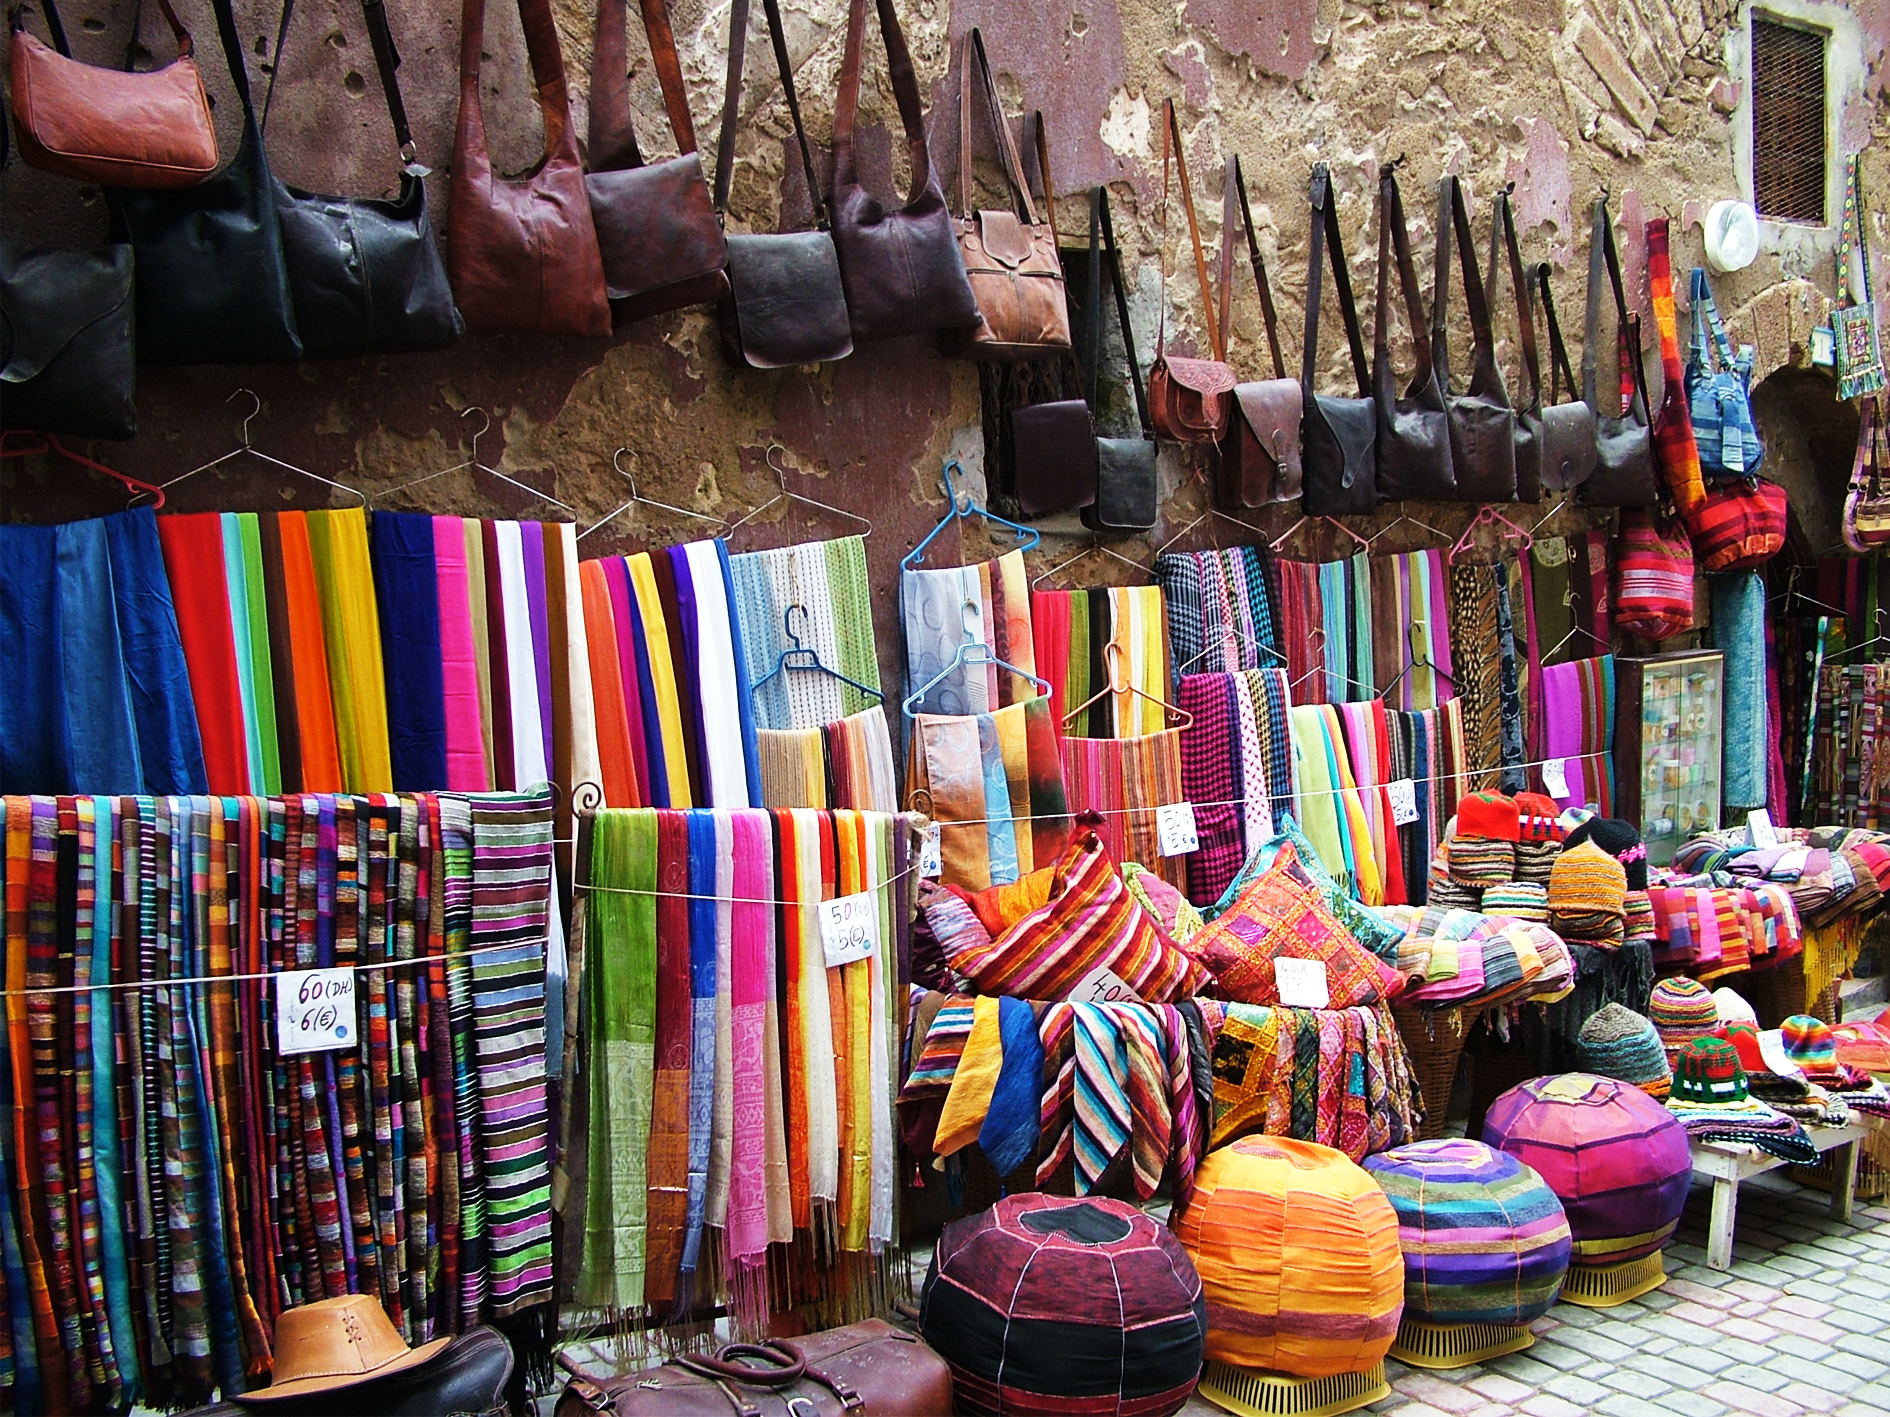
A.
pixel 969 653
pixel 963 509
pixel 800 656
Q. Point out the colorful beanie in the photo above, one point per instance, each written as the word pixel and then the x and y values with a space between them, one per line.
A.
pixel 1637 917
pixel 1733 1008
pixel 1488 814
pixel 1481 860
pixel 1708 1070
pixel 1535 861
pixel 1616 1042
pixel 1519 900
pixel 1810 1044
pixel 1681 1010
pixel 1536 818
pixel 1621 841
pixel 1587 880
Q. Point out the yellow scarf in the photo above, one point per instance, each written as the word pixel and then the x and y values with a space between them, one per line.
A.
pixel 351 625
pixel 662 677
pixel 974 1082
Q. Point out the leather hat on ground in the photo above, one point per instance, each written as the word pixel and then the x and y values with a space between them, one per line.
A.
pixel 337 1343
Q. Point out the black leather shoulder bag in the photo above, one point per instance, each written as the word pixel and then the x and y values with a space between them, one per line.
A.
pixel 366 271
pixel 1413 428
pixel 1482 422
pixel 1339 435
pixel 213 284
pixel 1624 475
pixel 1126 479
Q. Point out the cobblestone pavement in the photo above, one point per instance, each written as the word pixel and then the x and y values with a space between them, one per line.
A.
pixel 1798 1325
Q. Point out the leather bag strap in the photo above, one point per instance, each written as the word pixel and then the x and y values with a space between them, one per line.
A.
pixel 1453 228
pixel 1172 149
pixel 386 62
pixel 233 55
pixel 1326 234
pixel 1558 352
pixel 186 46
pixel 1092 302
pixel 613 140
pixel 1234 193
pixel 731 105
pixel 547 62
pixel 1043 172
pixel 1503 228
pixel 905 87
pixel 1114 256
pixel 781 1364
pixel 1394 240
pixel 1602 255
pixel 1008 158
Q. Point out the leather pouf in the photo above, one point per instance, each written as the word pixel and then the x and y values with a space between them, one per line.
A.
pixel 1297 1249
pixel 1616 1158
pixel 1043 1304
pixel 1485 1241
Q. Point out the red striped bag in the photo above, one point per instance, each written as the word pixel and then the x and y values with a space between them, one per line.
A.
pixel 1741 525
pixel 1653 575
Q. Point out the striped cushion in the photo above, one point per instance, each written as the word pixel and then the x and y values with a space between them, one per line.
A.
pixel 1090 922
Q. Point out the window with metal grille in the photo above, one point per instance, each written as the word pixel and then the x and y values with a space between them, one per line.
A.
pixel 1787 121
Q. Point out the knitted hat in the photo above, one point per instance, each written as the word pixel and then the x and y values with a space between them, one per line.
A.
pixel 1448 895
pixel 1708 1070
pixel 1518 900
pixel 1535 861
pixel 1810 1043
pixel 1616 1042
pixel 1744 1038
pixel 1585 879
pixel 1681 1010
pixel 1536 817
pixel 1488 814
pixel 1733 1008
pixel 1481 861
pixel 1637 918
pixel 1621 841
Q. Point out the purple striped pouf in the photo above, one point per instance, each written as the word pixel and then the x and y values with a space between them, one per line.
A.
pixel 1616 1158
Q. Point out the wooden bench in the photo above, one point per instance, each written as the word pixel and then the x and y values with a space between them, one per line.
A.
pixel 1729 1163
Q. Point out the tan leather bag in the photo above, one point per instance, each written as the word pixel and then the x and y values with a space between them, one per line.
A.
pixel 122 128
pixel 1189 400
pixel 1010 258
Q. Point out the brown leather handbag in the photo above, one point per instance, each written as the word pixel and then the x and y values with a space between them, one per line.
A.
pixel 657 228
pixel 1010 259
pixel 1190 400
pixel 866 1369
pixel 1568 426
pixel 1625 474
pixel 124 128
pixel 900 265
pixel 1260 455
pixel 786 305
pixel 1413 429
pixel 1338 436
pixel 522 254
pixel 1482 423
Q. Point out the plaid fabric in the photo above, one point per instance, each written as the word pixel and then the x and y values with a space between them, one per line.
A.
pixel 1653 577
pixel 1210 776
pixel 1739 526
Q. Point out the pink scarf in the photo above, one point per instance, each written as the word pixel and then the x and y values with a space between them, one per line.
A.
pixel 466 767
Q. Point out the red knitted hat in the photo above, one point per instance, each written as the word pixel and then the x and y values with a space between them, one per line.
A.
pixel 1536 817
pixel 1489 814
pixel 1745 1041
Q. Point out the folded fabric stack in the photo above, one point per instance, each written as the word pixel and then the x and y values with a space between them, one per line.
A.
pixel 1519 900
pixel 1588 895
pixel 1830 873
pixel 1711 1100
pixel 1710 930
pixel 1616 1042
pixel 1474 960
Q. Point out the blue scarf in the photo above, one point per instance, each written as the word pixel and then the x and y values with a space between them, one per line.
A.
pixel 406 587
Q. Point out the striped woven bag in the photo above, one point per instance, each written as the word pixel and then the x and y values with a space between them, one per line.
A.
pixel 1653 576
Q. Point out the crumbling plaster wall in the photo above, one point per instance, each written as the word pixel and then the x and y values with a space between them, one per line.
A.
pixel 1560 97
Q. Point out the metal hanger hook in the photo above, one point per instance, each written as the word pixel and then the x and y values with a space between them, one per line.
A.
pixel 787 624
pixel 778 469
pixel 485 427
pixel 255 407
pixel 616 462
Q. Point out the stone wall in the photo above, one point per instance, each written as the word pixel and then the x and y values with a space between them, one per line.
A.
pixel 1560 97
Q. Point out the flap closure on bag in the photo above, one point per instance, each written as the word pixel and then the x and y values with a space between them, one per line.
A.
pixel 1005 238
pixel 1272 409
pixel 49 298
pixel 1206 377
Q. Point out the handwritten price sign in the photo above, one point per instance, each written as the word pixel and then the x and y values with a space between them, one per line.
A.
pixel 314 1010
pixel 849 928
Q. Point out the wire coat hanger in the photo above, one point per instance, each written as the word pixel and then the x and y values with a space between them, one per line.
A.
pixel 1094 547
pixel 964 506
pixel 800 656
pixel 786 494
pixel 49 443
pixel 1112 665
pixel 485 426
pixel 970 651
pixel 637 499
pixel 1210 514
pixel 247 447
pixel 1278 541
pixel 1488 516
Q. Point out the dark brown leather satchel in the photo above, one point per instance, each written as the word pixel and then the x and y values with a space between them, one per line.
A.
pixel 1010 259
pixel 656 226
pixel 1528 404
pixel 1568 427
pixel 866 1369
pixel 522 254
pixel 901 267
pixel 786 305
pixel 1413 430
pixel 1260 460
pixel 1482 423
pixel 1338 436
pixel 1625 474
pixel 1190 400
pixel 119 127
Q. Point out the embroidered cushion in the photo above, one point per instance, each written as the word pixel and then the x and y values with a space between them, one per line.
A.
pixel 1283 912
pixel 1090 922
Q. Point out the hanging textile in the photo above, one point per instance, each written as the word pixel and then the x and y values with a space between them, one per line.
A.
pixel 96 694
pixel 994 784
pixel 1411 628
pixel 1074 649
pixel 1222 609
pixel 827 581
pixel 1738 629
pixel 1551 570
pixel 1476 642
pixel 844 764
pixel 1578 730
pixel 1124 780
pixel 986 604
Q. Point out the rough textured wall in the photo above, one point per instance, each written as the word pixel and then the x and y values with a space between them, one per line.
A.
pixel 1561 97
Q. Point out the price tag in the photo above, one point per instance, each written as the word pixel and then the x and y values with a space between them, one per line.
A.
pixel 1759 827
pixel 314 1010
pixel 1403 794
pixel 849 928
pixel 1175 825
pixel 931 854
pixel 1302 983
pixel 1555 777
pixel 1102 985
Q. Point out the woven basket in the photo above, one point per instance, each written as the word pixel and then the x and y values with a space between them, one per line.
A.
pixel 1434 1038
pixel 1873 1181
pixel 1777 994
